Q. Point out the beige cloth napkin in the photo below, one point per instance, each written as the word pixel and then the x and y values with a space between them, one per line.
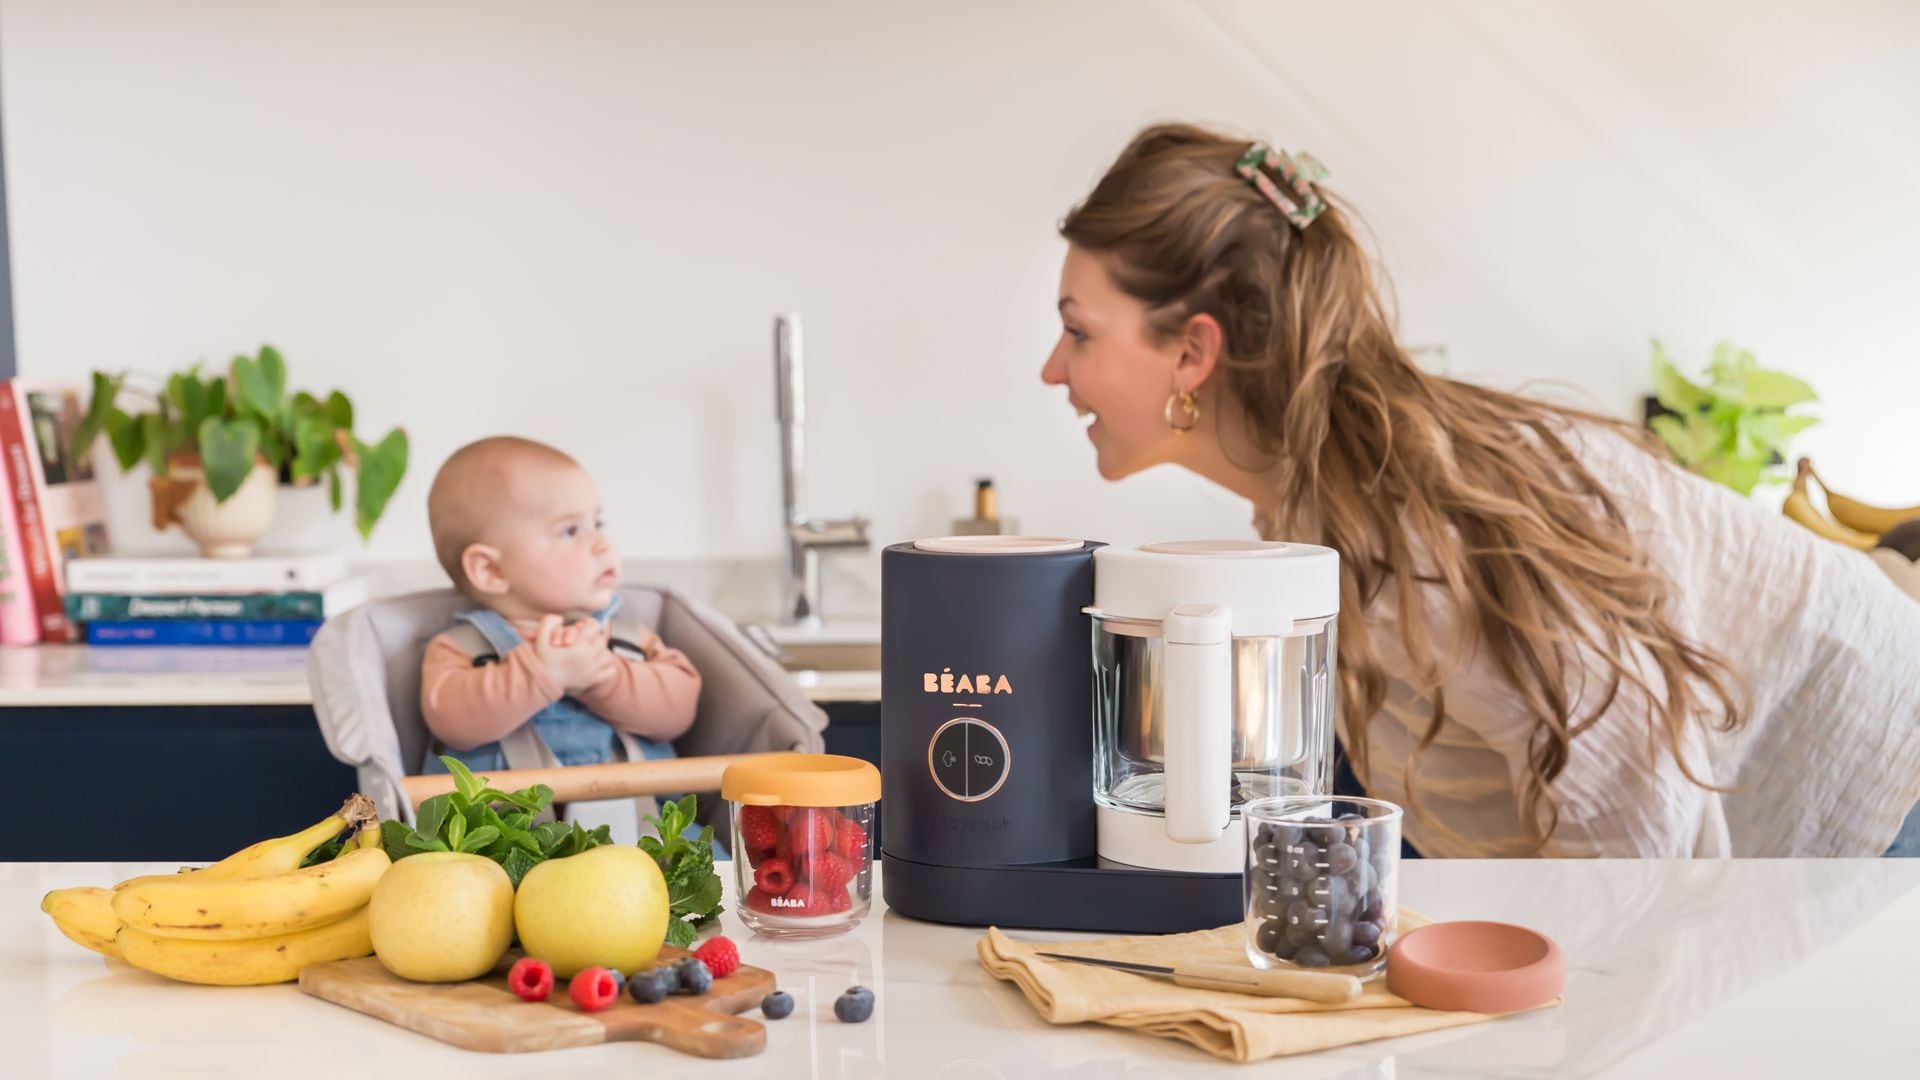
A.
pixel 1238 1027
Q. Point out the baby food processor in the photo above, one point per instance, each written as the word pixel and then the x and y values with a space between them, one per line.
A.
pixel 1069 732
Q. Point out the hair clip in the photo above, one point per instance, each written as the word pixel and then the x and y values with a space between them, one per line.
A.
pixel 1300 171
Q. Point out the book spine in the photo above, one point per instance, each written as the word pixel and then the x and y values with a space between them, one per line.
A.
pixel 18 624
pixel 37 562
pixel 205 632
pixel 97 607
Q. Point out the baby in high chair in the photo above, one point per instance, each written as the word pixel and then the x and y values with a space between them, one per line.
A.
pixel 540 659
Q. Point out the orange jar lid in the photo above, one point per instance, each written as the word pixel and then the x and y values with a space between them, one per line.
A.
pixel 801 780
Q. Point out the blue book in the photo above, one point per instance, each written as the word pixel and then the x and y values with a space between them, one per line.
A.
pixel 203 632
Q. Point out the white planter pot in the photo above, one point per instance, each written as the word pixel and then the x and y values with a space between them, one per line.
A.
pixel 226 530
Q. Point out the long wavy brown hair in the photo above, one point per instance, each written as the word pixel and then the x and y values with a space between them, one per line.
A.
pixel 1396 468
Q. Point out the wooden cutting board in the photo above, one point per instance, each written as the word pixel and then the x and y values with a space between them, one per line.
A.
pixel 485 1015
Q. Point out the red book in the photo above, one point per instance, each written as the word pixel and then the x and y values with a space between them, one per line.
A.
pixel 57 503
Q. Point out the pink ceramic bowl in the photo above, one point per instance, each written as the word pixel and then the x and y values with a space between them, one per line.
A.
pixel 1483 967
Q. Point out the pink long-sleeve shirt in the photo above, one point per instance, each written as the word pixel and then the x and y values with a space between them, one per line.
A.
pixel 467 706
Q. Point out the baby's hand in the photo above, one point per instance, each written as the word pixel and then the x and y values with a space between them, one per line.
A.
pixel 573 653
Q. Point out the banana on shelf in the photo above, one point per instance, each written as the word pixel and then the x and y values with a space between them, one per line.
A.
pixel 1846 520
pixel 256 916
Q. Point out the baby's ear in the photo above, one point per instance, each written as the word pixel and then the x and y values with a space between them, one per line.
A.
pixel 481 565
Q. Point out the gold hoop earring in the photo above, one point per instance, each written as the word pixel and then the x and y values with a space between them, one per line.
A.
pixel 1184 400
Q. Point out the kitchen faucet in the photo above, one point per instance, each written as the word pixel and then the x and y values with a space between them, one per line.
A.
pixel 806 536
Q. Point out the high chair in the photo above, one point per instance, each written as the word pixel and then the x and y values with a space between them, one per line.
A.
pixel 364 670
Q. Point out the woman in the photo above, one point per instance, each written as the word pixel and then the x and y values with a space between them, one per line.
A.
pixel 1552 640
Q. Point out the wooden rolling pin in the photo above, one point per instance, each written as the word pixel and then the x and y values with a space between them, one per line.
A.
pixel 613 780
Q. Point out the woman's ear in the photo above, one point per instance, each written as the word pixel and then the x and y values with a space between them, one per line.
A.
pixel 1201 340
pixel 481 565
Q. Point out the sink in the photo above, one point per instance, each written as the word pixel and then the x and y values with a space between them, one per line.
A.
pixel 830 655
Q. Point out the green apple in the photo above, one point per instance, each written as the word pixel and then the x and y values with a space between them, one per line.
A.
pixel 441 916
pixel 605 907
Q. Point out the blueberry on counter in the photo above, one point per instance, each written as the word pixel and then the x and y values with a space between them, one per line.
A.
pixel 777 1005
pixel 854 1006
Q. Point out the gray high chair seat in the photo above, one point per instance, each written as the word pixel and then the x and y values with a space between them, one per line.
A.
pixel 364 671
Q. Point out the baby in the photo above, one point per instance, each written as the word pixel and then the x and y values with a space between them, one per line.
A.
pixel 516 524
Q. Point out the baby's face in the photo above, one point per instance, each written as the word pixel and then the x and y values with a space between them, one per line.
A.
pixel 554 556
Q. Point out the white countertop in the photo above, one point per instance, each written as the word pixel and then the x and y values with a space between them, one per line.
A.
pixel 1751 969
pixel 149 675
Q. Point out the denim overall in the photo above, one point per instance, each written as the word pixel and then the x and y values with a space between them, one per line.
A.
pixel 575 735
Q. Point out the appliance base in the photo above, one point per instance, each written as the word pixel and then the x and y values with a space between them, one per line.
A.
pixel 1140 839
pixel 1077 894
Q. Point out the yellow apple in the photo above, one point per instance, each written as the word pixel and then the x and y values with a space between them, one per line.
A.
pixel 605 907
pixel 441 916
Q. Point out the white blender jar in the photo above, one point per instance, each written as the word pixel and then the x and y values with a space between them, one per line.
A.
pixel 1213 686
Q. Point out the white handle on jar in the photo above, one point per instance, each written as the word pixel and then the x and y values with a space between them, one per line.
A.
pixel 1196 706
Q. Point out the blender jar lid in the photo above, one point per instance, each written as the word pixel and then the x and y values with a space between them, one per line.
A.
pixel 1268 586
pixel 801 780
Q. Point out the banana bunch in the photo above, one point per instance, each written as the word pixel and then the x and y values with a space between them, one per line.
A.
pixel 1846 521
pixel 255 917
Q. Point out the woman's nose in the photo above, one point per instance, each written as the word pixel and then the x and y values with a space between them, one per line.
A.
pixel 1054 371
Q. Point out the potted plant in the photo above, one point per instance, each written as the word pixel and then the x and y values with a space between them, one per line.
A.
pixel 219 444
pixel 1735 429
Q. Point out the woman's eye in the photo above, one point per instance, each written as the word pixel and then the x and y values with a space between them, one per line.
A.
pixel 570 531
pixel 1078 337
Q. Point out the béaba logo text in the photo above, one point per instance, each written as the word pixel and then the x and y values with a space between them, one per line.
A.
pixel 946 683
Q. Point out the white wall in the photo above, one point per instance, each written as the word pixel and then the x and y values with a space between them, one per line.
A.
pixel 574 220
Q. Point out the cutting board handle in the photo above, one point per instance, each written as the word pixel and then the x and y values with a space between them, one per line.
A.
pixel 690 1029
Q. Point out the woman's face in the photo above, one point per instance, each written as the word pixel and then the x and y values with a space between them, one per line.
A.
pixel 1113 371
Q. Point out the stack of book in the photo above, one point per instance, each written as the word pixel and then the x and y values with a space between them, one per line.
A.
pixel 266 600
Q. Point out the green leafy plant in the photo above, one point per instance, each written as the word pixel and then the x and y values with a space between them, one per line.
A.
pixel 479 819
pixel 231 421
pixel 1735 429
pixel 693 888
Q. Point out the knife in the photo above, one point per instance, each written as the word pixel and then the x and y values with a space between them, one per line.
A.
pixel 1325 987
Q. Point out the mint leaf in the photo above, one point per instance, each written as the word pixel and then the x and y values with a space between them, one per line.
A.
pixel 432 814
pixel 517 863
pixel 463 780
pixel 680 933
pixel 425 843
pixel 393 837
pixel 479 838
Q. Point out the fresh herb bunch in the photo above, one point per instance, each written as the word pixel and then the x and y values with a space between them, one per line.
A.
pixel 693 888
pixel 465 819
pixel 479 819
